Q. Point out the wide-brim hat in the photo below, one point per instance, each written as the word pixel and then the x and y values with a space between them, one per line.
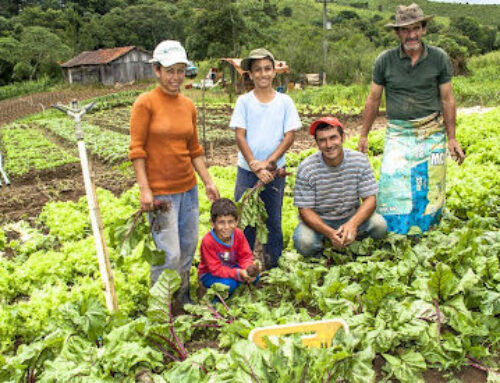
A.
pixel 256 54
pixel 325 120
pixel 407 15
pixel 169 52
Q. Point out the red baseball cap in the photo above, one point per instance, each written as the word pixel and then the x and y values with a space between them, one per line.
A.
pixel 325 120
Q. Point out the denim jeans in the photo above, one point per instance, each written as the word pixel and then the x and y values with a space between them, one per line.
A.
pixel 272 196
pixel 209 279
pixel 176 233
pixel 309 242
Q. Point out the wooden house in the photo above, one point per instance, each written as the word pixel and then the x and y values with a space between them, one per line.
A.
pixel 109 66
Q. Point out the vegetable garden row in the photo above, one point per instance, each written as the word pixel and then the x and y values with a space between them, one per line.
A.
pixel 105 129
pixel 415 303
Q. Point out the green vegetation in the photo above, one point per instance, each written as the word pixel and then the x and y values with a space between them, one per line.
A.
pixel 482 87
pixel 487 14
pixel 109 146
pixel 419 303
pixel 37 36
pixel 28 149
pixel 42 84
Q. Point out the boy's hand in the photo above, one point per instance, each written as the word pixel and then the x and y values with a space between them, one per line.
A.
pixel 244 275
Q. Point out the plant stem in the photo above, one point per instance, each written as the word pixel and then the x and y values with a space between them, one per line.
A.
pixel 165 352
pixel 170 343
pixel 180 345
pixel 438 313
pixel 231 319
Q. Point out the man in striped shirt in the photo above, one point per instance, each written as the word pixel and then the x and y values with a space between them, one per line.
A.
pixel 328 190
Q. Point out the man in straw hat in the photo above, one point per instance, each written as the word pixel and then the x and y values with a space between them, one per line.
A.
pixel 421 112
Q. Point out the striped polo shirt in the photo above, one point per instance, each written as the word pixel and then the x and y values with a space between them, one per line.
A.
pixel 334 192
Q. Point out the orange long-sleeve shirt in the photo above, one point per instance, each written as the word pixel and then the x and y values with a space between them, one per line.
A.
pixel 163 132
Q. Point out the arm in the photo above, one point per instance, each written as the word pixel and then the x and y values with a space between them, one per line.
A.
pixel 214 265
pixel 140 119
pixel 314 221
pixel 201 168
pixel 282 147
pixel 256 166
pixel 145 193
pixel 245 255
pixel 369 114
pixel 449 115
pixel 349 230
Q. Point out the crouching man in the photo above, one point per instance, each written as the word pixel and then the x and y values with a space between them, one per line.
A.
pixel 328 189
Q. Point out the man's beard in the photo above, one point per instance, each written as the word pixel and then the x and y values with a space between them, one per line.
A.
pixel 412 47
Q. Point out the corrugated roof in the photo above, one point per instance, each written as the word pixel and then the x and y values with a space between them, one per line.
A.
pixel 280 66
pixel 101 56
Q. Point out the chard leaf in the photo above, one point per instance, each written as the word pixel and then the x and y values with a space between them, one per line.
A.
pixel 162 294
pixel 378 294
pixel 442 283
pixel 407 367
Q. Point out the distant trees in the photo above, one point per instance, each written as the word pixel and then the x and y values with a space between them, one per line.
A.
pixel 37 35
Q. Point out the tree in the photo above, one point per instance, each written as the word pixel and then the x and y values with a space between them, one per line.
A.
pixel 8 48
pixel 143 25
pixel 38 45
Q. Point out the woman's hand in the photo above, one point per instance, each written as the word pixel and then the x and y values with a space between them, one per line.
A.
pixel 146 198
pixel 212 192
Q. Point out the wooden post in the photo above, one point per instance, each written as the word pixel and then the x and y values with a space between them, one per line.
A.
pixel 203 116
pixel 95 214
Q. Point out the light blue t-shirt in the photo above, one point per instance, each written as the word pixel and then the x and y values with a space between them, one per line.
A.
pixel 265 123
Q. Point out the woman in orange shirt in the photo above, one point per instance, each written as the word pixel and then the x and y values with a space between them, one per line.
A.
pixel 165 153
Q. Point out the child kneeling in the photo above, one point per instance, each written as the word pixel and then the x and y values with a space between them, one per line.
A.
pixel 226 257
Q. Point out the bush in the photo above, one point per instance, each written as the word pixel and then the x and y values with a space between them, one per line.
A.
pixel 22 71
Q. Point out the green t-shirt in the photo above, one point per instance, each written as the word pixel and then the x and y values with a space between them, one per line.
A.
pixel 412 91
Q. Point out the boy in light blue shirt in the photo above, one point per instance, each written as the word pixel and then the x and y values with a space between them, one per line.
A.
pixel 265 122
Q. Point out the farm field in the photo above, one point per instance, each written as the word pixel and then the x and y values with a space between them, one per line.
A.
pixel 418 309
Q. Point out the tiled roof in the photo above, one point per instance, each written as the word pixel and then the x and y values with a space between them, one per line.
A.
pixel 101 56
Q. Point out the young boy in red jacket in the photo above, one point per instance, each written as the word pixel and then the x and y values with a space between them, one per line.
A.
pixel 226 257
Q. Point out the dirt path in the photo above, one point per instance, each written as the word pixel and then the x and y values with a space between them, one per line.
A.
pixel 15 108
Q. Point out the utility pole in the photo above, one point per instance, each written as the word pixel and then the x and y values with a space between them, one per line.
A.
pixel 325 43
pixel 326 26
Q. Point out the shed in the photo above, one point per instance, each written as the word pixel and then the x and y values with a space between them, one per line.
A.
pixel 109 66
pixel 243 83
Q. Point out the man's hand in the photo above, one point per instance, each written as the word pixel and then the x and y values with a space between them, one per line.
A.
pixel 456 151
pixel 348 232
pixel 363 144
pixel 212 192
pixel 335 238
pixel 146 198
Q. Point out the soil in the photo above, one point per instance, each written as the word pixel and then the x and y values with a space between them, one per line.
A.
pixel 26 195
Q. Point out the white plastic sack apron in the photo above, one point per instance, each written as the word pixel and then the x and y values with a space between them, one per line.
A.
pixel 412 178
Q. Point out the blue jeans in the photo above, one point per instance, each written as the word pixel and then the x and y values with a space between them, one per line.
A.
pixel 176 233
pixel 310 243
pixel 272 196
pixel 209 279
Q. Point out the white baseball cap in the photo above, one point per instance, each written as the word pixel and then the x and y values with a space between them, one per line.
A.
pixel 169 52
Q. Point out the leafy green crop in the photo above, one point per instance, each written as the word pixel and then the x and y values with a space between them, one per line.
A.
pixel 417 302
pixel 26 148
pixel 107 145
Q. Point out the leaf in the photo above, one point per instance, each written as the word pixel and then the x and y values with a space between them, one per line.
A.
pixel 250 360
pixel 442 283
pixel 407 367
pixel 161 295
pixel 378 294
